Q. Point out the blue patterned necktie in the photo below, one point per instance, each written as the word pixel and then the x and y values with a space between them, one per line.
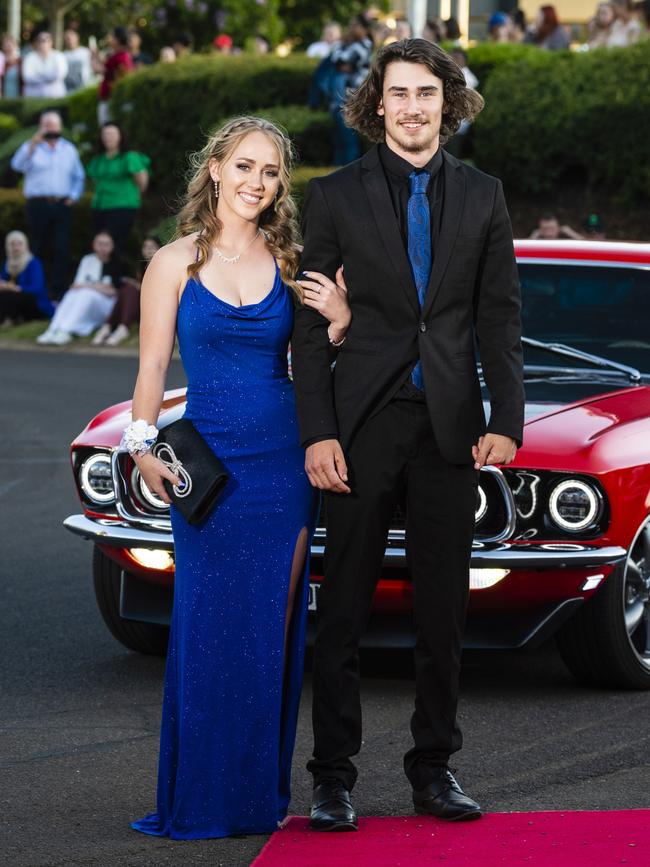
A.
pixel 418 221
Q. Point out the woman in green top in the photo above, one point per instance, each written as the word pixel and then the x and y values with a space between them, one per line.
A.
pixel 120 177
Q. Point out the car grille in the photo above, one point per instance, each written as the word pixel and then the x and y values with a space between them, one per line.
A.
pixel 496 524
pixel 129 502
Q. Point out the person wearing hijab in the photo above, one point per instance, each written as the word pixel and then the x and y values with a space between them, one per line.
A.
pixel 23 293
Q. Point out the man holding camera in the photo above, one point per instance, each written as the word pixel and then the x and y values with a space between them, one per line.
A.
pixel 54 181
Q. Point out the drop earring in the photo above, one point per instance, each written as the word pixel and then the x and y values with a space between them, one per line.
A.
pixel 216 190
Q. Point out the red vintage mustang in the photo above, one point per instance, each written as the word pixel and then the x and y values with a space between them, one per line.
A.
pixel 562 539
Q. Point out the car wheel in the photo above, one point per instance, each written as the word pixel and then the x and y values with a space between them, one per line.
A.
pixel 134 634
pixel 607 643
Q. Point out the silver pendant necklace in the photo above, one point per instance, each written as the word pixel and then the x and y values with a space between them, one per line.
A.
pixel 231 260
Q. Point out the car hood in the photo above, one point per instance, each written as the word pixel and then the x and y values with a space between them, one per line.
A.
pixel 566 424
pixel 106 428
pixel 548 396
pixel 593 433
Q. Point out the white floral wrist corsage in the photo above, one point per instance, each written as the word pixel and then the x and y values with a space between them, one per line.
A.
pixel 139 437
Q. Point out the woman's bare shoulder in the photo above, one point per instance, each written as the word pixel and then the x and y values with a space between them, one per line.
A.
pixel 175 257
pixel 182 251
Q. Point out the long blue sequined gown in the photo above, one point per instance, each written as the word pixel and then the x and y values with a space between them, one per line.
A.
pixel 230 703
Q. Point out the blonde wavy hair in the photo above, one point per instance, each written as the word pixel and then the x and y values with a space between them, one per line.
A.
pixel 199 207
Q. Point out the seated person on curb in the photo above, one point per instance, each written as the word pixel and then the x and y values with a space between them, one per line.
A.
pixel 127 309
pixel 23 293
pixel 90 299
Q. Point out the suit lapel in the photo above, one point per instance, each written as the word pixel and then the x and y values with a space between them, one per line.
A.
pixel 374 183
pixel 452 210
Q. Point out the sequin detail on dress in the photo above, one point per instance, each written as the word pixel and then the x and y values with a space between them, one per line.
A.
pixel 229 707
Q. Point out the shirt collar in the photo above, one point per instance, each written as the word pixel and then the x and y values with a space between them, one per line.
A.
pixel 397 165
pixel 56 147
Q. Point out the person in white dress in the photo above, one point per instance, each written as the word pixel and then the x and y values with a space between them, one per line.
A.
pixel 44 69
pixel 90 300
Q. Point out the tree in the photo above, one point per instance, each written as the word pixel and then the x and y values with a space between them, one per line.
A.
pixel 54 13
pixel 307 17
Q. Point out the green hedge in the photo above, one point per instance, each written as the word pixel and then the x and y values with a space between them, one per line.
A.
pixel 167 110
pixel 26 111
pixel 12 216
pixel 81 117
pixel 8 126
pixel 483 59
pixel 578 118
pixel 310 131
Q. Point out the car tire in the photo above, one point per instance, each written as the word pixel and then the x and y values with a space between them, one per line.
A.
pixel 595 644
pixel 150 638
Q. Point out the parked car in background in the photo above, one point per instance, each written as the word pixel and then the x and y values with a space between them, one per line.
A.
pixel 562 538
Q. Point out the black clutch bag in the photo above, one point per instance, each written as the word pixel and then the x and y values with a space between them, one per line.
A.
pixel 203 477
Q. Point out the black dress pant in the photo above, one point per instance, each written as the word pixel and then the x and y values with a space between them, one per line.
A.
pixel 394 457
pixel 48 227
pixel 19 305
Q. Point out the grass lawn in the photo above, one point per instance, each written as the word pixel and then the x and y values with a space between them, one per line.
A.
pixel 29 331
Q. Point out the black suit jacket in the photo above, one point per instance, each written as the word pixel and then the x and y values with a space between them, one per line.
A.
pixel 473 298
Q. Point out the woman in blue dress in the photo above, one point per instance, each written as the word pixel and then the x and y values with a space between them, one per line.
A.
pixel 226 286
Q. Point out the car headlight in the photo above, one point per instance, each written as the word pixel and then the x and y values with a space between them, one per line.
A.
pixel 150 496
pixel 481 505
pixel 96 479
pixel 574 505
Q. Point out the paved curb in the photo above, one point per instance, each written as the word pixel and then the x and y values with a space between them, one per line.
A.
pixel 83 349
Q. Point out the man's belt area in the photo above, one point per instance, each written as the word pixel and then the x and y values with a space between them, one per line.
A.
pixel 51 200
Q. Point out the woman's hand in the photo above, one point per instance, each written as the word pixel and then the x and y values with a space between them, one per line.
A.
pixel 153 471
pixel 329 299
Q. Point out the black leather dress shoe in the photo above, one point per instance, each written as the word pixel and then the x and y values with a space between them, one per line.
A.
pixel 331 808
pixel 445 799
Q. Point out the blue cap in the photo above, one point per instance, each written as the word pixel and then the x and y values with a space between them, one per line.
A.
pixel 497 19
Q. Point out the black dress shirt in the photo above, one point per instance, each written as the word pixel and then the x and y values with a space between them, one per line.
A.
pixel 397 171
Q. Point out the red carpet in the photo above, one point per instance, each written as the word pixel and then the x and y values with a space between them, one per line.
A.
pixel 574 839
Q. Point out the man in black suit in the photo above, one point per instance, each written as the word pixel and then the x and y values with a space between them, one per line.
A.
pixel 426 246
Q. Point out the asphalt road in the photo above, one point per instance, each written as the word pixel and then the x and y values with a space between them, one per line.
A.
pixel 79 714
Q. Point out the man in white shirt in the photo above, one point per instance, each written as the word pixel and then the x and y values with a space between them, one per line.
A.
pixel 54 181
pixel 44 69
pixel 77 56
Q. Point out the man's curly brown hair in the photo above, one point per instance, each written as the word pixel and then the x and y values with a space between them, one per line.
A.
pixel 460 102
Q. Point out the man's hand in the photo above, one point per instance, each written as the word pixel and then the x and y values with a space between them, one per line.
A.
pixel 326 468
pixel 35 140
pixel 493 449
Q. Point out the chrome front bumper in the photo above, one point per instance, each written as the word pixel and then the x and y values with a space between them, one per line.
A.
pixel 504 555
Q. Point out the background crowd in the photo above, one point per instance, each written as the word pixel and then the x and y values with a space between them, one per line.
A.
pixel 37 68
pixel 102 299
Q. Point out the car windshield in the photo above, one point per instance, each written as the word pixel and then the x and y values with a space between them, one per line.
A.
pixel 603 310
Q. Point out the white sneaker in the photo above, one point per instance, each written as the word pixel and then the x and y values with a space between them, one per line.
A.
pixel 60 338
pixel 118 336
pixel 46 336
pixel 101 335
